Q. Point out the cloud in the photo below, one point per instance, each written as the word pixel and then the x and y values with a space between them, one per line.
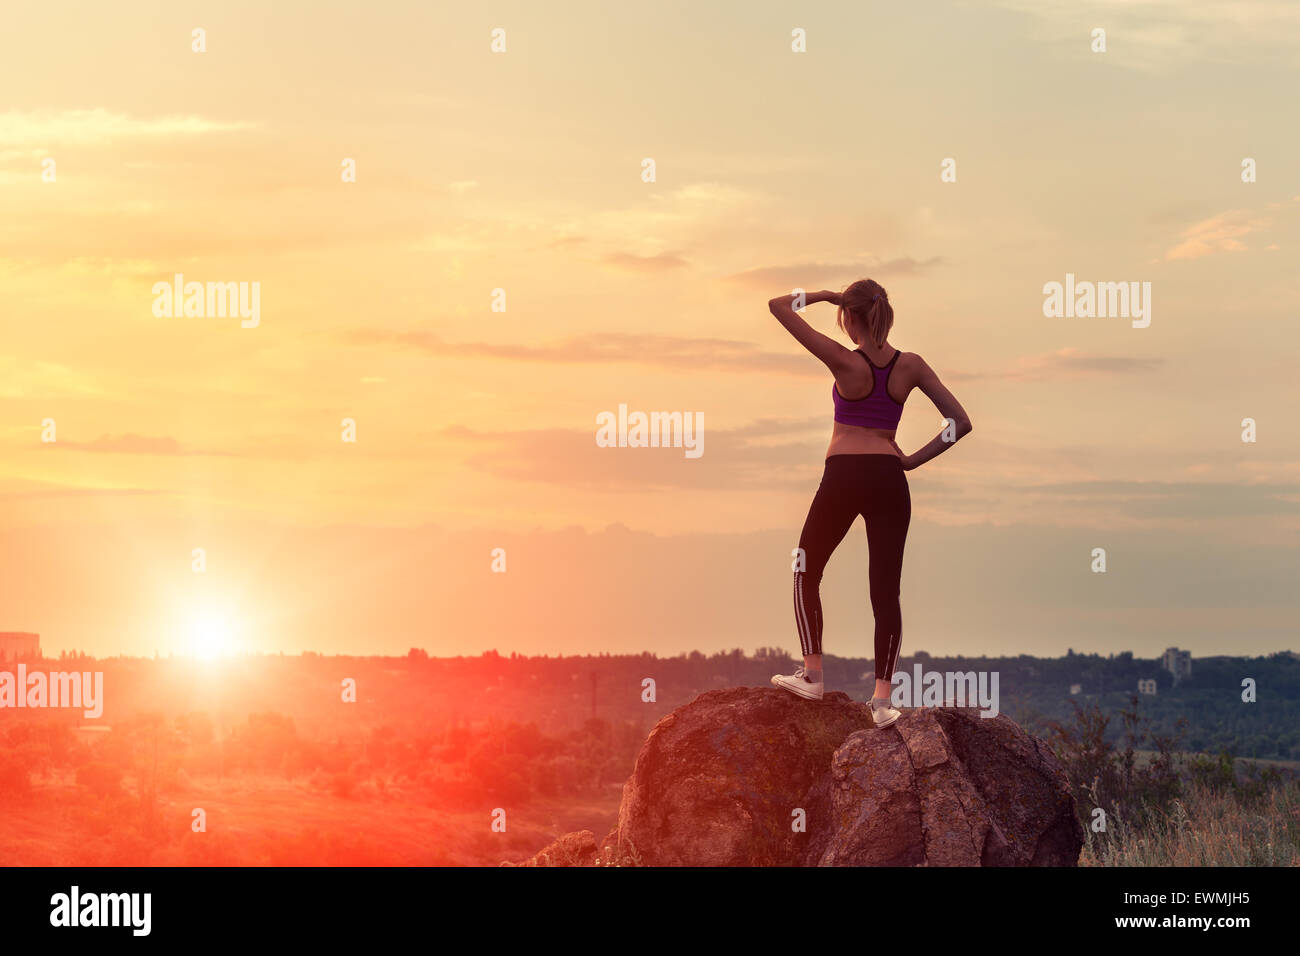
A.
pixel 132 445
pixel 785 455
pixel 1221 233
pixel 1070 362
pixel 660 351
pixel 25 378
pixel 681 353
pixel 97 127
pixel 1172 499
pixel 49 489
pixel 664 219
pixel 734 460
pixel 1066 363
pixel 1158 35
pixel 646 264
pixel 715 193
pixel 813 274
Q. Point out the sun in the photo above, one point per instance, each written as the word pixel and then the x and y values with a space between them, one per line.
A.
pixel 210 635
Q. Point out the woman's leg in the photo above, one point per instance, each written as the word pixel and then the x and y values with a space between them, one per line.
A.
pixel 888 511
pixel 832 512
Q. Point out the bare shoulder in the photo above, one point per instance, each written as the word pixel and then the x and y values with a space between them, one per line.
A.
pixel 913 368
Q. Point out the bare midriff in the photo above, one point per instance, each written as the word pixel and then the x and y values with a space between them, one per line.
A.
pixel 856 440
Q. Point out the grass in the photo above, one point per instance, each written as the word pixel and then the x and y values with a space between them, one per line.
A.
pixel 264 820
pixel 1206 826
pixel 1145 802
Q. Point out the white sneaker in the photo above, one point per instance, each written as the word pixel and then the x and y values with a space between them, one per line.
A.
pixel 800 685
pixel 884 715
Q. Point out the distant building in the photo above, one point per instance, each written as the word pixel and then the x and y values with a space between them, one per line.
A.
pixel 16 644
pixel 1076 689
pixel 1147 686
pixel 1178 663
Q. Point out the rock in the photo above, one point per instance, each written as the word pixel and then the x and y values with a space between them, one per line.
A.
pixel 717 780
pixel 951 788
pixel 572 849
pixel 720 781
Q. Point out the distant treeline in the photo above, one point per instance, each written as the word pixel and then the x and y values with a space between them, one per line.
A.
pixel 1216 719
pixel 421 694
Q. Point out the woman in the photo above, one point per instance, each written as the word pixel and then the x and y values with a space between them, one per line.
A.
pixel 864 473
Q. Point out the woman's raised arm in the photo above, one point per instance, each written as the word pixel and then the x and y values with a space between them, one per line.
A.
pixel 835 356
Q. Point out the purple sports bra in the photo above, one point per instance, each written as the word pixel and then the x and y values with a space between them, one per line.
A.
pixel 878 409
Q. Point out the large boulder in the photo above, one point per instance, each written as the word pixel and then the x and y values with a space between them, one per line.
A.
pixel 718 781
pixel 950 788
pixel 758 777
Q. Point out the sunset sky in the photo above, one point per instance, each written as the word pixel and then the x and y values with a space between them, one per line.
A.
pixel 522 171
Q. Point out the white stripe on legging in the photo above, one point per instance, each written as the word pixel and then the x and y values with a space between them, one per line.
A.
pixel 805 632
pixel 894 657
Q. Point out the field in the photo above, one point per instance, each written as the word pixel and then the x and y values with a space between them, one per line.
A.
pixel 474 761
pixel 268 821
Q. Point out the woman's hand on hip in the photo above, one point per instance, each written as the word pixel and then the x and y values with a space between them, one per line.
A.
pixel 908 464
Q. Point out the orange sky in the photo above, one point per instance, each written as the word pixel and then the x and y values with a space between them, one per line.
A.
pixel 522 171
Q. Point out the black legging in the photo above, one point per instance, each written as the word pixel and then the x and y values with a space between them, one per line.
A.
pixel 874 486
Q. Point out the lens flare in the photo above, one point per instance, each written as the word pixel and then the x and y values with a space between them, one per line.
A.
pixel 211 635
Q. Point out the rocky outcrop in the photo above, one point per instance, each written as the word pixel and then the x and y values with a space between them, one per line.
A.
pixel 572 849
pixel 757 777
pixel 950 788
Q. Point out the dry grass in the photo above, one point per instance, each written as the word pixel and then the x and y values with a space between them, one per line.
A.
pixel 263 820
pixel 1206 826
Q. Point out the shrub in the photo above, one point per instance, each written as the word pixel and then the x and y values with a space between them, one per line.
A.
pixel 101 779
pixel 15 782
